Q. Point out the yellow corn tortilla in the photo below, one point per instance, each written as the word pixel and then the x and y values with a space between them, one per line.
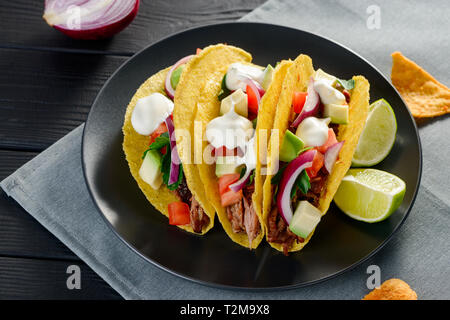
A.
pixel 266 116
pixel 424 95
pixel 135 144
pixel 198 87
pixel 296 80
pixel 209 110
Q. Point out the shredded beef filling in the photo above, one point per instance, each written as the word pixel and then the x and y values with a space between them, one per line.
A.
pixel 242 215
pixel 278 230
pixel 198 217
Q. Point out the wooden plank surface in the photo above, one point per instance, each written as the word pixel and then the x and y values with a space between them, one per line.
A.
pixel 45 94
pixel 47 85
pixel 22 278
pixel 156 19
pixel 20 234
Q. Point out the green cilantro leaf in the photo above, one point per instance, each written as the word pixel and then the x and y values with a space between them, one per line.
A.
pixel 302 182
pixel 165 169
pixel 224 92
pixel 159 143
pixel 277 177
pixel 346 84
pixel 251 178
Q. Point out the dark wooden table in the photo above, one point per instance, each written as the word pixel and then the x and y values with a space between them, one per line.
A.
pixel 47 84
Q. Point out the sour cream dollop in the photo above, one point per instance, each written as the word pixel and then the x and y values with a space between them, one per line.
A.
pixel 230 130
pixel 313 131
pixel 150 112
pixel 328 94
pixel 238 70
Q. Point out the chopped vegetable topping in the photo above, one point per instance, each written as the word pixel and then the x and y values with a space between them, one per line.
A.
pixel 252 100
pixel 179 213
pixel 299 101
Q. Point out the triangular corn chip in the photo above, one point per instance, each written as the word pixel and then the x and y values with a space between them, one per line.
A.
pixel 424 95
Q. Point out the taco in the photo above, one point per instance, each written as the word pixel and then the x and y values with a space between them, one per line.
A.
pixel 165 102
pixel 318 121
pixel 239 107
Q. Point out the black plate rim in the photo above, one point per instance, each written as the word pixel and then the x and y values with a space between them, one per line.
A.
pixel 230 287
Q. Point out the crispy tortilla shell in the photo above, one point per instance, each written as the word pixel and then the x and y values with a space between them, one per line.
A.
pixel 196 100
pixel 135 144
pixel 296 80
pixel 210 110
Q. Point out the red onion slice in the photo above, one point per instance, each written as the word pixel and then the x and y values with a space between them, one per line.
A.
pixel 90 19
pixel 238 185
pixel 175 159
pixel 249 159
pixel 256 88
pixel 167 84
pixel 331 155
pixel 311 106
pixel 290 174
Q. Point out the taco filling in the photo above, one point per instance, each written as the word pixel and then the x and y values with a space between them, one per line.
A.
pixel 231 138
pixel 152 117
pixel 308 152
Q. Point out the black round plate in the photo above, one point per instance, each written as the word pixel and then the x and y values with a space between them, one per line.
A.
pixel 339 242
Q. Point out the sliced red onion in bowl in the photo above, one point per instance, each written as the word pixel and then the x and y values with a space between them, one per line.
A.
pixel 311 106
pixel 175 159
pixel 290 174
pixel 90 19
pixel 167 84
pixel 332 154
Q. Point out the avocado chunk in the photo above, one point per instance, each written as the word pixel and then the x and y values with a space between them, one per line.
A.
pixel 290 147
pixel 306 218
pixel 322 75
pixel 175 78
pixel 150 170
pixel 338 113
pixel 239 100
pixel 228 165
pixel 267 78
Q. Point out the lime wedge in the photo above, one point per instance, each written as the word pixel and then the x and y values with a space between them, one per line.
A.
pixel 369 195
pixel 378 135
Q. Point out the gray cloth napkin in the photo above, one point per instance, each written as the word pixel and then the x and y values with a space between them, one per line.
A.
pixel 51 186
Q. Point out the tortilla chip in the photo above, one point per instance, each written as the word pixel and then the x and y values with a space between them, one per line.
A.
pixel 392 289
pixel 424 95
pixel 297 80
pixel 135 144
pixel 196 92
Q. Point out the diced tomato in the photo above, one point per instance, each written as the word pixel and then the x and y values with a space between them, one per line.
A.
pixel 224 151
pixel 163 150
pixel 252 101
pixel 198 51
pixel 331 140
pixel 230 197
pixel 179 213
pixel 316 165
pixel 159 131
pixel 299 101
pixel 226 180
pixel 346 95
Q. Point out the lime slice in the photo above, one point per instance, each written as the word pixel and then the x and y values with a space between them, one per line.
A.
pixel 378 135
pixel 369 195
